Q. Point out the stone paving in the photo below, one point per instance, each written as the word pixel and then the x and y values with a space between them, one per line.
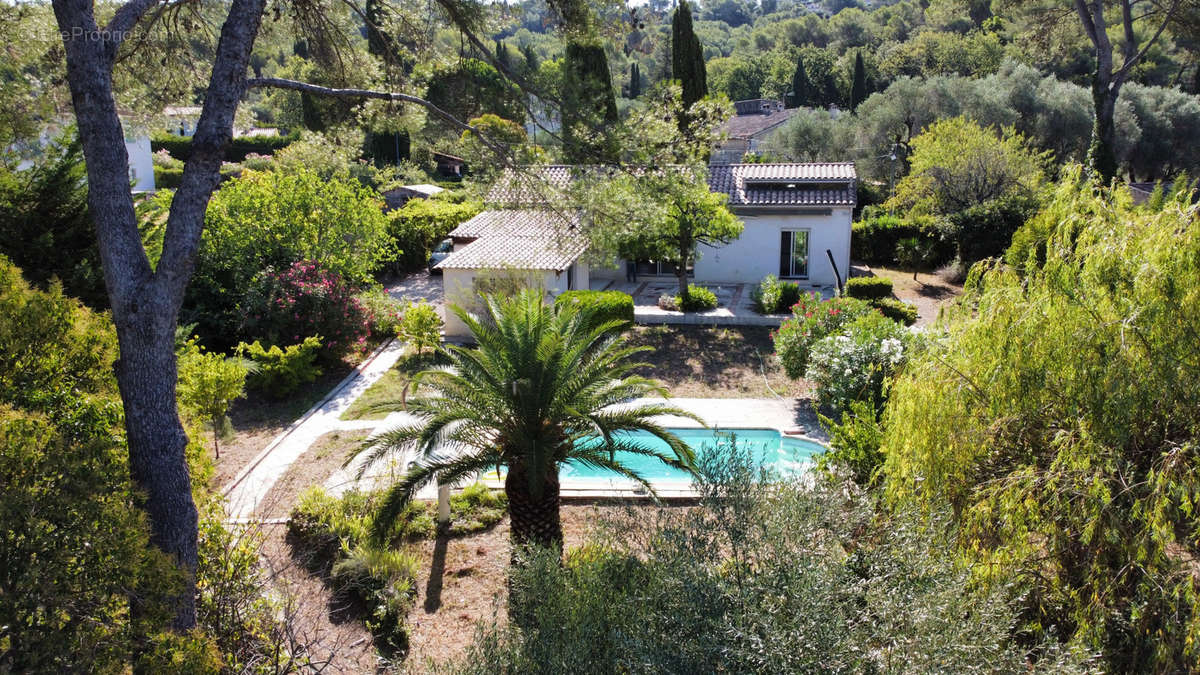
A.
pixel 735 308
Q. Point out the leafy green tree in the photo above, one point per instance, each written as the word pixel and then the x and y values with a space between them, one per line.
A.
pixel 208 384
pixel 270 220
pixel 957 164
pixel 73 548
pixel 536 392
pixel 687 57
pixel 1058 420
pixel 858 90
pixel 421 327
pixel 469 88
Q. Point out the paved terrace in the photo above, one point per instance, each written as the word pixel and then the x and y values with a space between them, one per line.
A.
pixel 734 306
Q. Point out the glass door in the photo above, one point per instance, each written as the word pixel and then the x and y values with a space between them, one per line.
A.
pixel 793 254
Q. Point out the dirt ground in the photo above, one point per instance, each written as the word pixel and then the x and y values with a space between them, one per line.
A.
pixel 257 420
pixel 322 459
pixel 462 582
pixel 928 292
pixel 723 362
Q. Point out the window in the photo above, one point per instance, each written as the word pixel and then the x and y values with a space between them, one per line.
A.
pixel 793 253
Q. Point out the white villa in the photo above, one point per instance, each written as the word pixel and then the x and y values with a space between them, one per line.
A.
pixel 797 226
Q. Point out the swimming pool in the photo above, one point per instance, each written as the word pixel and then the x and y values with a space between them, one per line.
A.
pixel 768 447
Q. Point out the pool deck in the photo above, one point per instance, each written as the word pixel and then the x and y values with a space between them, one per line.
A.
pixel 791 417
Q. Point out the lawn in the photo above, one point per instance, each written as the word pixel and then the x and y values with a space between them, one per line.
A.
pixel 390 387
pixel 724 362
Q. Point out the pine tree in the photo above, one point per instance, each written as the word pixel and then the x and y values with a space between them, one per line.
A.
pixel 800 86
pixel 378 42
pixel 687 56
pixel 858 91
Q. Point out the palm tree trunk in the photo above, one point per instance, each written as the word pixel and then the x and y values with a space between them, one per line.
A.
pixel 535 517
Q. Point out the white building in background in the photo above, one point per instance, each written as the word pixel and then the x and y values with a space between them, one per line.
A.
pixel 137 147
pixel 796 219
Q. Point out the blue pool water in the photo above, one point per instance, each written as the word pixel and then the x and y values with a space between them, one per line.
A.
pixel 768 447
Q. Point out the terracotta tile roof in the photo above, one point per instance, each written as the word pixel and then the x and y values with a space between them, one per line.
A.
pixel 536 239
pixel 780 184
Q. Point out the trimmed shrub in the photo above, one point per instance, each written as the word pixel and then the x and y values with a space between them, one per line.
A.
pixel 772 296
pixel 896 310
pixel 601 306
pixel 283 307
pixel 167 178
pixel 180 147
pixel 869 288
pixel 282 371
pixel 874 240
pixel 789 294
pixel 699 299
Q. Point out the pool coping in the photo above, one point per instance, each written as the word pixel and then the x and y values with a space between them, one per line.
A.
pixel 625 490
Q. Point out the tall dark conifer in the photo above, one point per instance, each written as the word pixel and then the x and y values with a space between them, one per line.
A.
pixel 800 95
pixel 687 56
pixel 858 90
pixel 588 103
pixel 635 80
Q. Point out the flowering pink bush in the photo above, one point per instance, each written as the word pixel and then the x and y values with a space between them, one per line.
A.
pixel 813 319
pixel 284 307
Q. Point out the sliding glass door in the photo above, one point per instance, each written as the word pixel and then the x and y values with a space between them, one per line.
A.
pixel 793 254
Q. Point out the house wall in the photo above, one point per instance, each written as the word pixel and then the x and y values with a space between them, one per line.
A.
pixel 459 288
pixel 755 254
pixel 141 163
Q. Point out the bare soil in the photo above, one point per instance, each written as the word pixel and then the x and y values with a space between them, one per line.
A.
pixel 462 582
pixel 257 419
pixel 721 362
pixel 928 292
pixel 322 459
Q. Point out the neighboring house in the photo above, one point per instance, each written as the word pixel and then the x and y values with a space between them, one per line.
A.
pixel 182 119
pixel 137 147
pixel 449 165
pixel 397 197
pixel 510 248
pixel 754 120
pixel 796 226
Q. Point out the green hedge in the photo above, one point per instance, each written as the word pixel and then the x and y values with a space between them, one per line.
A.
pixel 869 288
pixel 987 230
pixel 180 147
pixel 601 305
pixel 874 239
pixel 420 224
pixel 168 179
pixel 896 310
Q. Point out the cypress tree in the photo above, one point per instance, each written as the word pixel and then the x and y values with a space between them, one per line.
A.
pixel 687 56
pixel 588 102
pixel 800 86
pixel 858 91
pixel 635 80
pixel 531 59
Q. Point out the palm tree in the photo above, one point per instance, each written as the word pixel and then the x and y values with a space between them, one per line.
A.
pixel 545 385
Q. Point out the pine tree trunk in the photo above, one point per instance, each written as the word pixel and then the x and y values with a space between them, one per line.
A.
pixel 157 443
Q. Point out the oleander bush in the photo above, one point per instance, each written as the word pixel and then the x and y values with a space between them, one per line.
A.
pixel 869 288
pixel 854 364
pixel 286 306
pixel 812 319
pixel 601 306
